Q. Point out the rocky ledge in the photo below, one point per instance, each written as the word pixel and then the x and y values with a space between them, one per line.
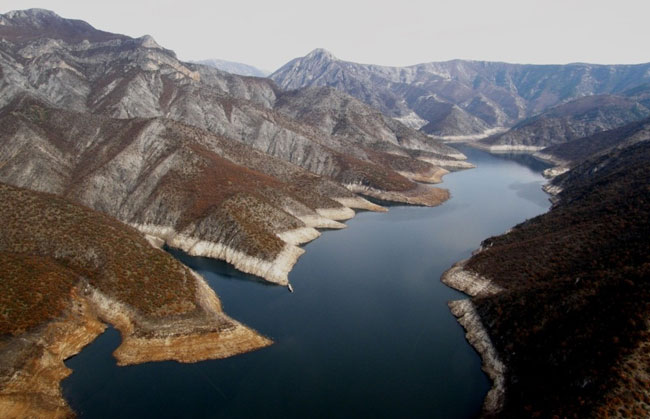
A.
pixel 206 334
pixel 275 270
pixel 478 337
pixel 466 281
pixel 461 279
pixel 67 271
pixel 33 366
pixel 433 175
pixel 506 148
pixel 420 195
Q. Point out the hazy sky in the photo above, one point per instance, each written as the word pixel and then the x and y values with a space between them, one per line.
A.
pixel 269 33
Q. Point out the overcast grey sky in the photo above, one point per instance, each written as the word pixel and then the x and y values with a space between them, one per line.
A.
pixel 269 33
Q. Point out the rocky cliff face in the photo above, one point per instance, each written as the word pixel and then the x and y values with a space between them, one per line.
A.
pixel 214 163
pixel 460 98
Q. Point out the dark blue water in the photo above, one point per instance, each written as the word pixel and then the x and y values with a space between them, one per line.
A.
pixel 366 333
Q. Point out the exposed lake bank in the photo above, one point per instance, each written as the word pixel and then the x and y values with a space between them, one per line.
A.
pixel 367 331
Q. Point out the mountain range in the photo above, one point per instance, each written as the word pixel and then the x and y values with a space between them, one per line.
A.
pixel 569 121
pixel 459 98
pixel 120 124
pixel 111 147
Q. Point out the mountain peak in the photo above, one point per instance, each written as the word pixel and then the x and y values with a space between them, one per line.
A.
pixel 30 24
pixel 31 13
pixel 147 41
pixel 321 53
pixel 32 17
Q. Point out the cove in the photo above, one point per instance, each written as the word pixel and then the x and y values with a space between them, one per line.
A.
pixel 367 331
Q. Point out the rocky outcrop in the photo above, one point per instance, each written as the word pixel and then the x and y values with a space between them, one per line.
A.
pixel 422 195
pixel 432 176
pixel 32 365
pixel 275 270
pixel 507 148
pixel 478 337
pixel 471 283
pixel 450 165
pixel 210 336
pixel 464 280
pixel 360 203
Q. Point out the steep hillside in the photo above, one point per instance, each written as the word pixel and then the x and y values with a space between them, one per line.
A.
pixel 196 191
pixel 341 116
pixel 65 268
pixel 564 303
pixel 210 162
pixel 460 98
pixel 563 123
pixel 567 154
pixel 136 78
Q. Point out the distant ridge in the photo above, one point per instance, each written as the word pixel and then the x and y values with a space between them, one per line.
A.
pixel 234 67
pixel 458 97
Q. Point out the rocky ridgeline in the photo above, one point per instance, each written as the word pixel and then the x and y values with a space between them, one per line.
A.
pixel 566 123
pixel 234 67
pixel 463 99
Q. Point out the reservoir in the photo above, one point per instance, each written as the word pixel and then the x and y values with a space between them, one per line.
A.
pixel 367 331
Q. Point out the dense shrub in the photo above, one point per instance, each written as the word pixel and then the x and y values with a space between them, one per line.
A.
pixel 577 291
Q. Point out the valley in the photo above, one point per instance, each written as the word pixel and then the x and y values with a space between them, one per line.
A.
pixel 368 317
pixel 135 186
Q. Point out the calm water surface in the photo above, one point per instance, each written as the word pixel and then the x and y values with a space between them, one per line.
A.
pixel 366 333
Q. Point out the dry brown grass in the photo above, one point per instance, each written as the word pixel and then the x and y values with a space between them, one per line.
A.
pixel 50 244
pixel 34 289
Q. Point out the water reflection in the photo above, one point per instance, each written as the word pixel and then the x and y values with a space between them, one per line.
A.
pixel 224 269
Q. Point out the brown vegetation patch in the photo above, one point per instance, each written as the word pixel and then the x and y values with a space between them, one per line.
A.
pixel 353 170
pixel 576 296
pixel 113 257
pixel 34 289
